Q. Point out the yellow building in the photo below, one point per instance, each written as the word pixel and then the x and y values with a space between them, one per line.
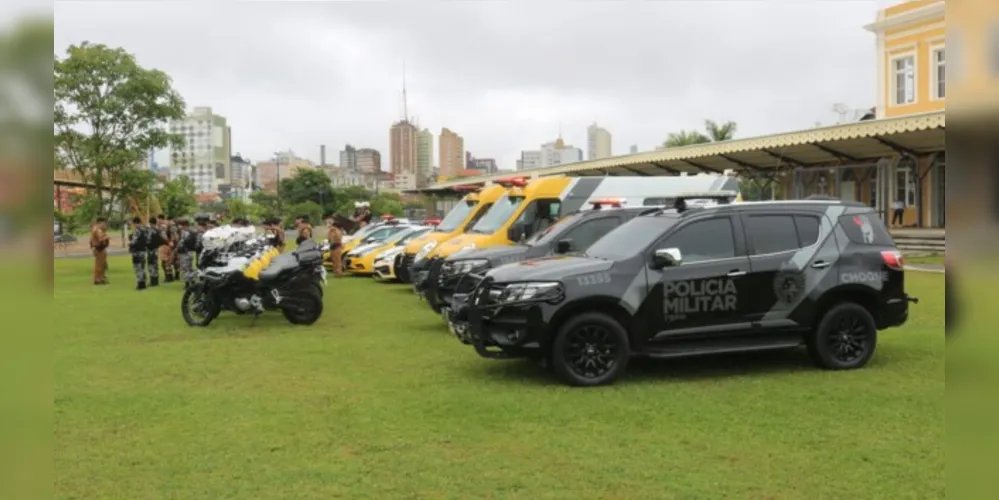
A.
pixel 911 76
pixel 912 79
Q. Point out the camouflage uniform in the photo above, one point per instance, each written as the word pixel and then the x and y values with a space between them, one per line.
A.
pixel 137 245
pixel 186 246
pixel 152 255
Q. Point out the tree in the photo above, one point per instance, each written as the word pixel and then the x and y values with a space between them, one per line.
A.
pixel 715 133
pixel 136 187
pixel 718 133
pixel 235 207
pixel 109 112
pixel 685 138
pixel 178 198
pixel 308 208
pixel 264 205
pixel 386 203
pixel 308 185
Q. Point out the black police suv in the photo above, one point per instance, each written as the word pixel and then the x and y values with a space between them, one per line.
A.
pixel 687 281
pixel 460 273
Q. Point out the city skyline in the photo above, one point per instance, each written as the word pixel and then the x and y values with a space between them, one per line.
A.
pixel 276 96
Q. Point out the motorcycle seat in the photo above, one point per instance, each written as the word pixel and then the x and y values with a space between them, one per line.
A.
pixel 280 264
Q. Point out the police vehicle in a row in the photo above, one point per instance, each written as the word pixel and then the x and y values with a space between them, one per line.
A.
pixel 824 274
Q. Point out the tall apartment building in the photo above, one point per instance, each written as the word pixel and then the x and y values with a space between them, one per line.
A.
pixel 348 158
pixel 206 156
pixel 424 157
pixel 402 148
pixel 530 159
pixel 598 142
pixel 559 153
pixel 240 179
pixel 369 161
pixel 452 153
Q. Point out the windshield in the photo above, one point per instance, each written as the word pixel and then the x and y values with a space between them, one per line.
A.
pixel 366 230
pixel 630 238
pixel 412 234
pixel 501 211
pixel 545 237
pixel 455 217
pixel 403 233
pixel 384 232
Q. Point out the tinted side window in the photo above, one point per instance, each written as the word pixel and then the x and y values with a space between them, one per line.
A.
pixel 703 240
pixel 808 229
pixel 589 232
pixel 866 229
pixel 772 233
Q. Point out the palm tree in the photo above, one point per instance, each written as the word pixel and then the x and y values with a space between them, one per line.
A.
pixel 718 133
pixel 715 133
pixel 685 138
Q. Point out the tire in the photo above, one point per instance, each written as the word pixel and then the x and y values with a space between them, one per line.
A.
pixel 310 310
pixel 205 317
pixel 586 342
pixel 844 339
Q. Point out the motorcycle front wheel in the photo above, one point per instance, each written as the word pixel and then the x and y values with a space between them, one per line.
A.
pixel 304 309
pixel 197 308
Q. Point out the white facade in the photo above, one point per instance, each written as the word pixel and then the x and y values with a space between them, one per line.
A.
pixel 344 177
pixel 598 142
pixel 205 156
pixel 557 153
pixel 530 159
pixel 405 181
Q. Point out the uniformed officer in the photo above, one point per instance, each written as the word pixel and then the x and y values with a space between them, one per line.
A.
pixel 99 242
pixel 304 229
pixel 273 225
pixel 137 246
pixel 187 244
pixel 164 250
pixel 173 236
pixel 335 236
pixel 156 239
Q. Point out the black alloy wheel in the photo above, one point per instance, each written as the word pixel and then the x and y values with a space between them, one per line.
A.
pixel 845 338
pixel 591 349
pixel 197 308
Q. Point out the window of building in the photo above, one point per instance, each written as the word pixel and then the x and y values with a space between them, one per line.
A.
pixel 905 186
pixel 904 86
pixel 938 56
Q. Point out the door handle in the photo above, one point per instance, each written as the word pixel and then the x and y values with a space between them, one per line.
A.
pixel 736 272
pixel 821 264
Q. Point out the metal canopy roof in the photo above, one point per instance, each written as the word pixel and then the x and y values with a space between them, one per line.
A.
pixel 852 143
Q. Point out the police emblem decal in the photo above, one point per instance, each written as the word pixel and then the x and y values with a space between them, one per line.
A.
pixel 789 283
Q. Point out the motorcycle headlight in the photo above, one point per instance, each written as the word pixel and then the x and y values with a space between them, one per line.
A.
pixel 422 254
pixel 549 291
pixel 463 266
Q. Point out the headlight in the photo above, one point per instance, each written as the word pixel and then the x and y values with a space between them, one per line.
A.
pixel 463 266
pixel 425 250
pixel 389 254
pixel 538 291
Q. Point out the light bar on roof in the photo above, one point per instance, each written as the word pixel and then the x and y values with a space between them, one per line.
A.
pixel 512 182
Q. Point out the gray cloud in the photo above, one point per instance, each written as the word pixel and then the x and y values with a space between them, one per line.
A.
pixel 505 75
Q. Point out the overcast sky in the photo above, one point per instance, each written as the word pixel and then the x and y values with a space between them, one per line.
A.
pixel 503 74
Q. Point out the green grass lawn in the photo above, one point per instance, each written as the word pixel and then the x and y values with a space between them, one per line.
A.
pixel 932 258
pixel 378 401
